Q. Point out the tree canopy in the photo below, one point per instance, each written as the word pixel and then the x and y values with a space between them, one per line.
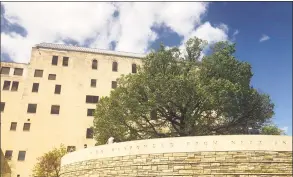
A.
pixel 181 93
pixel 48 165
pixel 272 129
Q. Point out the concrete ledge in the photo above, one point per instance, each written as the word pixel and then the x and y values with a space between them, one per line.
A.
pixel 183 144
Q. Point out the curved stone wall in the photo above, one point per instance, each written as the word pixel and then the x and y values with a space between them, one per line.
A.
pixel 232 155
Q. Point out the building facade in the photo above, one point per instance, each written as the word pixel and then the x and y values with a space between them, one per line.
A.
pixel 50 101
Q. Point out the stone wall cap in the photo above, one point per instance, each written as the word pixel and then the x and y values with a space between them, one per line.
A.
pixel 181 145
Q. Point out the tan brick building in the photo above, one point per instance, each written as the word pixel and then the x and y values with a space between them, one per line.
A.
pixel 51 100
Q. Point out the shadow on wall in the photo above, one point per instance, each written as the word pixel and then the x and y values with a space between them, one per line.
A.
pixel 5 168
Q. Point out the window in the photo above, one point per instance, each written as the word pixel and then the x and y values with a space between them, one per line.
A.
pixel 8 154
pixel 114 84
pixel 32 108
pixel 55 109
pixel 57 89
pixel 115 66
pixel 38 73
pixel 85 145
pixel 65 61
pixel 71 148
pixel 35 87
pixel 90 112
pixel 92 99
pixel 153 114
pixel 6 85
pixel 2 106
pixel 5 70
pixel 14 86
pixel 18 71
pixel 94 64
pixel 133 68
pixel 13 126
pixel 93 82
pixel 54 60
pixel 52 77
pixel 21 156
pixel 26 126
pixel 89 133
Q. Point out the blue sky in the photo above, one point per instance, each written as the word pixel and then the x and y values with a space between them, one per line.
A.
pixel 139 27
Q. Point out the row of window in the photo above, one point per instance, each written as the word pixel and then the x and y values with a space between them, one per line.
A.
pixel 21 155
pixel 6 71
pixel 26 126
pixel 55 109
pixel 73 148
pixel 39 73
pixel 64 62
pixel 35 87
pixel 94 64
pixel 14 87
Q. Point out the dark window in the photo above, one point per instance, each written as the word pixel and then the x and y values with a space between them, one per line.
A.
pixel 55 109
pixel 32 108
pixel 93 82
pixel 6 85
pixel 114 84
pixel 90 112
pixel 18 71
pixel 2 106
pixel 57 89
pixel 18 175
pixel 8 154
pixel 14 86
pixel 65 61
pixel 133 68
pixel 71 148
pixel 5 70
pixel 153 114
pixel 13 126
pixel 89 133
pixel 52 77
pixel 94 64
pixel 38 73
pixel 92 99
pixel 35 87
pixel 26 126
pixel 54 60
pixel 21 156
pixel 85 145
pixel 115 66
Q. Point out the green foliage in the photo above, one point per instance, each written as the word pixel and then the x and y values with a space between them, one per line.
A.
pixel 48 165
pixel 186 96
pixel 271 130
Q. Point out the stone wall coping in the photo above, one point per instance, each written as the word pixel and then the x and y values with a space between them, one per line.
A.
pixel 183 144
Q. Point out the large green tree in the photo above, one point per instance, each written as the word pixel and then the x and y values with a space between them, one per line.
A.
pixel 272 129
pixel 179 93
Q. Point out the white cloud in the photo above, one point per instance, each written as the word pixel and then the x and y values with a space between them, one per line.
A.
pixel 285 129
pixel 56 21
pixel 233 38
pixel 236 32
pixel 212 34
pixel 264 38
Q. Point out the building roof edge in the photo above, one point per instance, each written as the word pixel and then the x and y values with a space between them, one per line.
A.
pixel 91 50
